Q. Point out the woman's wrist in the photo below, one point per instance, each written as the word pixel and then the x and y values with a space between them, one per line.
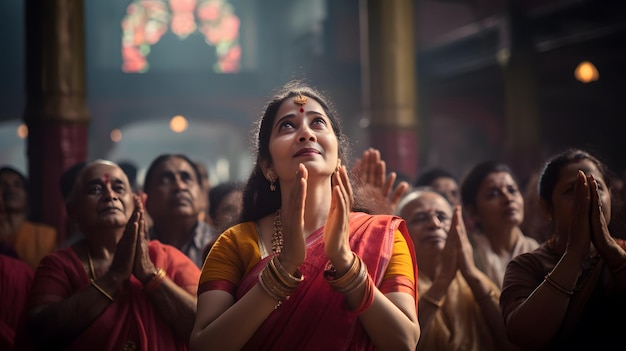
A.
pixel 342 262
pixel 146 277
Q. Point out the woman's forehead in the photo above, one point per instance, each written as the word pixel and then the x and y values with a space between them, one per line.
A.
pixel 570 170
pixel 498 178
pixel 289 106
pixel 430 200
pixel 104 171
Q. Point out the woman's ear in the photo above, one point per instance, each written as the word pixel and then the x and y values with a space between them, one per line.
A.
pixel 266 166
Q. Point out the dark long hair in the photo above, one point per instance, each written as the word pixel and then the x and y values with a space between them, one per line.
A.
pixel 258 200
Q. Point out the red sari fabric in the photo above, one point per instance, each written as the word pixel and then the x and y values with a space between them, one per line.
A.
pixel 16 278
pixel 131 316
pixel 315 317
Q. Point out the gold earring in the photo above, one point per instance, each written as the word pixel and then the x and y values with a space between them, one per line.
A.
pixel 271 177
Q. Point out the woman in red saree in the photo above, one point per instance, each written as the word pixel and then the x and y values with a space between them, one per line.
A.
pixel 302 271
pixel 113 290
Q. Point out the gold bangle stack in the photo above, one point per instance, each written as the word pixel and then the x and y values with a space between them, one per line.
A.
pixel 352 280
pixel 277 282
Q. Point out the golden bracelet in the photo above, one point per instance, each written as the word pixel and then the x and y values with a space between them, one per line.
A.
pixel 272 285
pixel 108 296
pixel 271 290
pixel 357 282
pixel 432 300
pixel 276 283
pixel 557 286
pixel 352 280
pixel 155 281
pixel 356 276
pixel 331 274
pixel 285 277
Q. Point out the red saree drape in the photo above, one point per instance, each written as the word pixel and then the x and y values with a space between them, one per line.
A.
pixel 315 317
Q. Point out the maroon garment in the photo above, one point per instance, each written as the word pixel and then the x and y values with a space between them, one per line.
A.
pixel 16 278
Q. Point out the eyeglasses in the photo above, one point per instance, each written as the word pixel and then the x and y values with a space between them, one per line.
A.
pixel 425 217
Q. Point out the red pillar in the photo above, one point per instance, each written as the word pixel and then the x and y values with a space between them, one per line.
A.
pixel 56 111
pixel 390 83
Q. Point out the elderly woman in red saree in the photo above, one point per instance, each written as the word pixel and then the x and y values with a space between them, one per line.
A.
pixel 302 271
pixel 113 290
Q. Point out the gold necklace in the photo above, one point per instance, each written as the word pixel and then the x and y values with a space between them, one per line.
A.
pixel 277 237
pixel 92 271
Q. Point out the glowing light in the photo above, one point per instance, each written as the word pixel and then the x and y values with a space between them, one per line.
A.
pixel 178 124
pixel 116 135
pixel 586 72
pixel 22 131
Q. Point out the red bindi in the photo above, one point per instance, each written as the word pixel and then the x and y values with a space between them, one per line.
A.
pixel 106 178
pixel 301 109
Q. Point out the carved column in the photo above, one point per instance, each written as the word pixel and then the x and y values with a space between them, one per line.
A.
pixel 390 83
pixel 56 113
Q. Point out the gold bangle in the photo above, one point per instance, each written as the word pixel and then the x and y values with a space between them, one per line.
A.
pixel 557 286
pixel 156 280
pixel 108 296
pixel 288 279
pixel 432 300
pixel 268 288
pixel 331 274
pixel 272 285
pixel 352 280
pixel 359 280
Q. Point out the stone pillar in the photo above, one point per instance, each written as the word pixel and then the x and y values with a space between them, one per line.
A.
pixel 523 133
pixel 56 112
pixel 389 80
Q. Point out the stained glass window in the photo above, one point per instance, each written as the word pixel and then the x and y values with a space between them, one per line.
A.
pixel 146 22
